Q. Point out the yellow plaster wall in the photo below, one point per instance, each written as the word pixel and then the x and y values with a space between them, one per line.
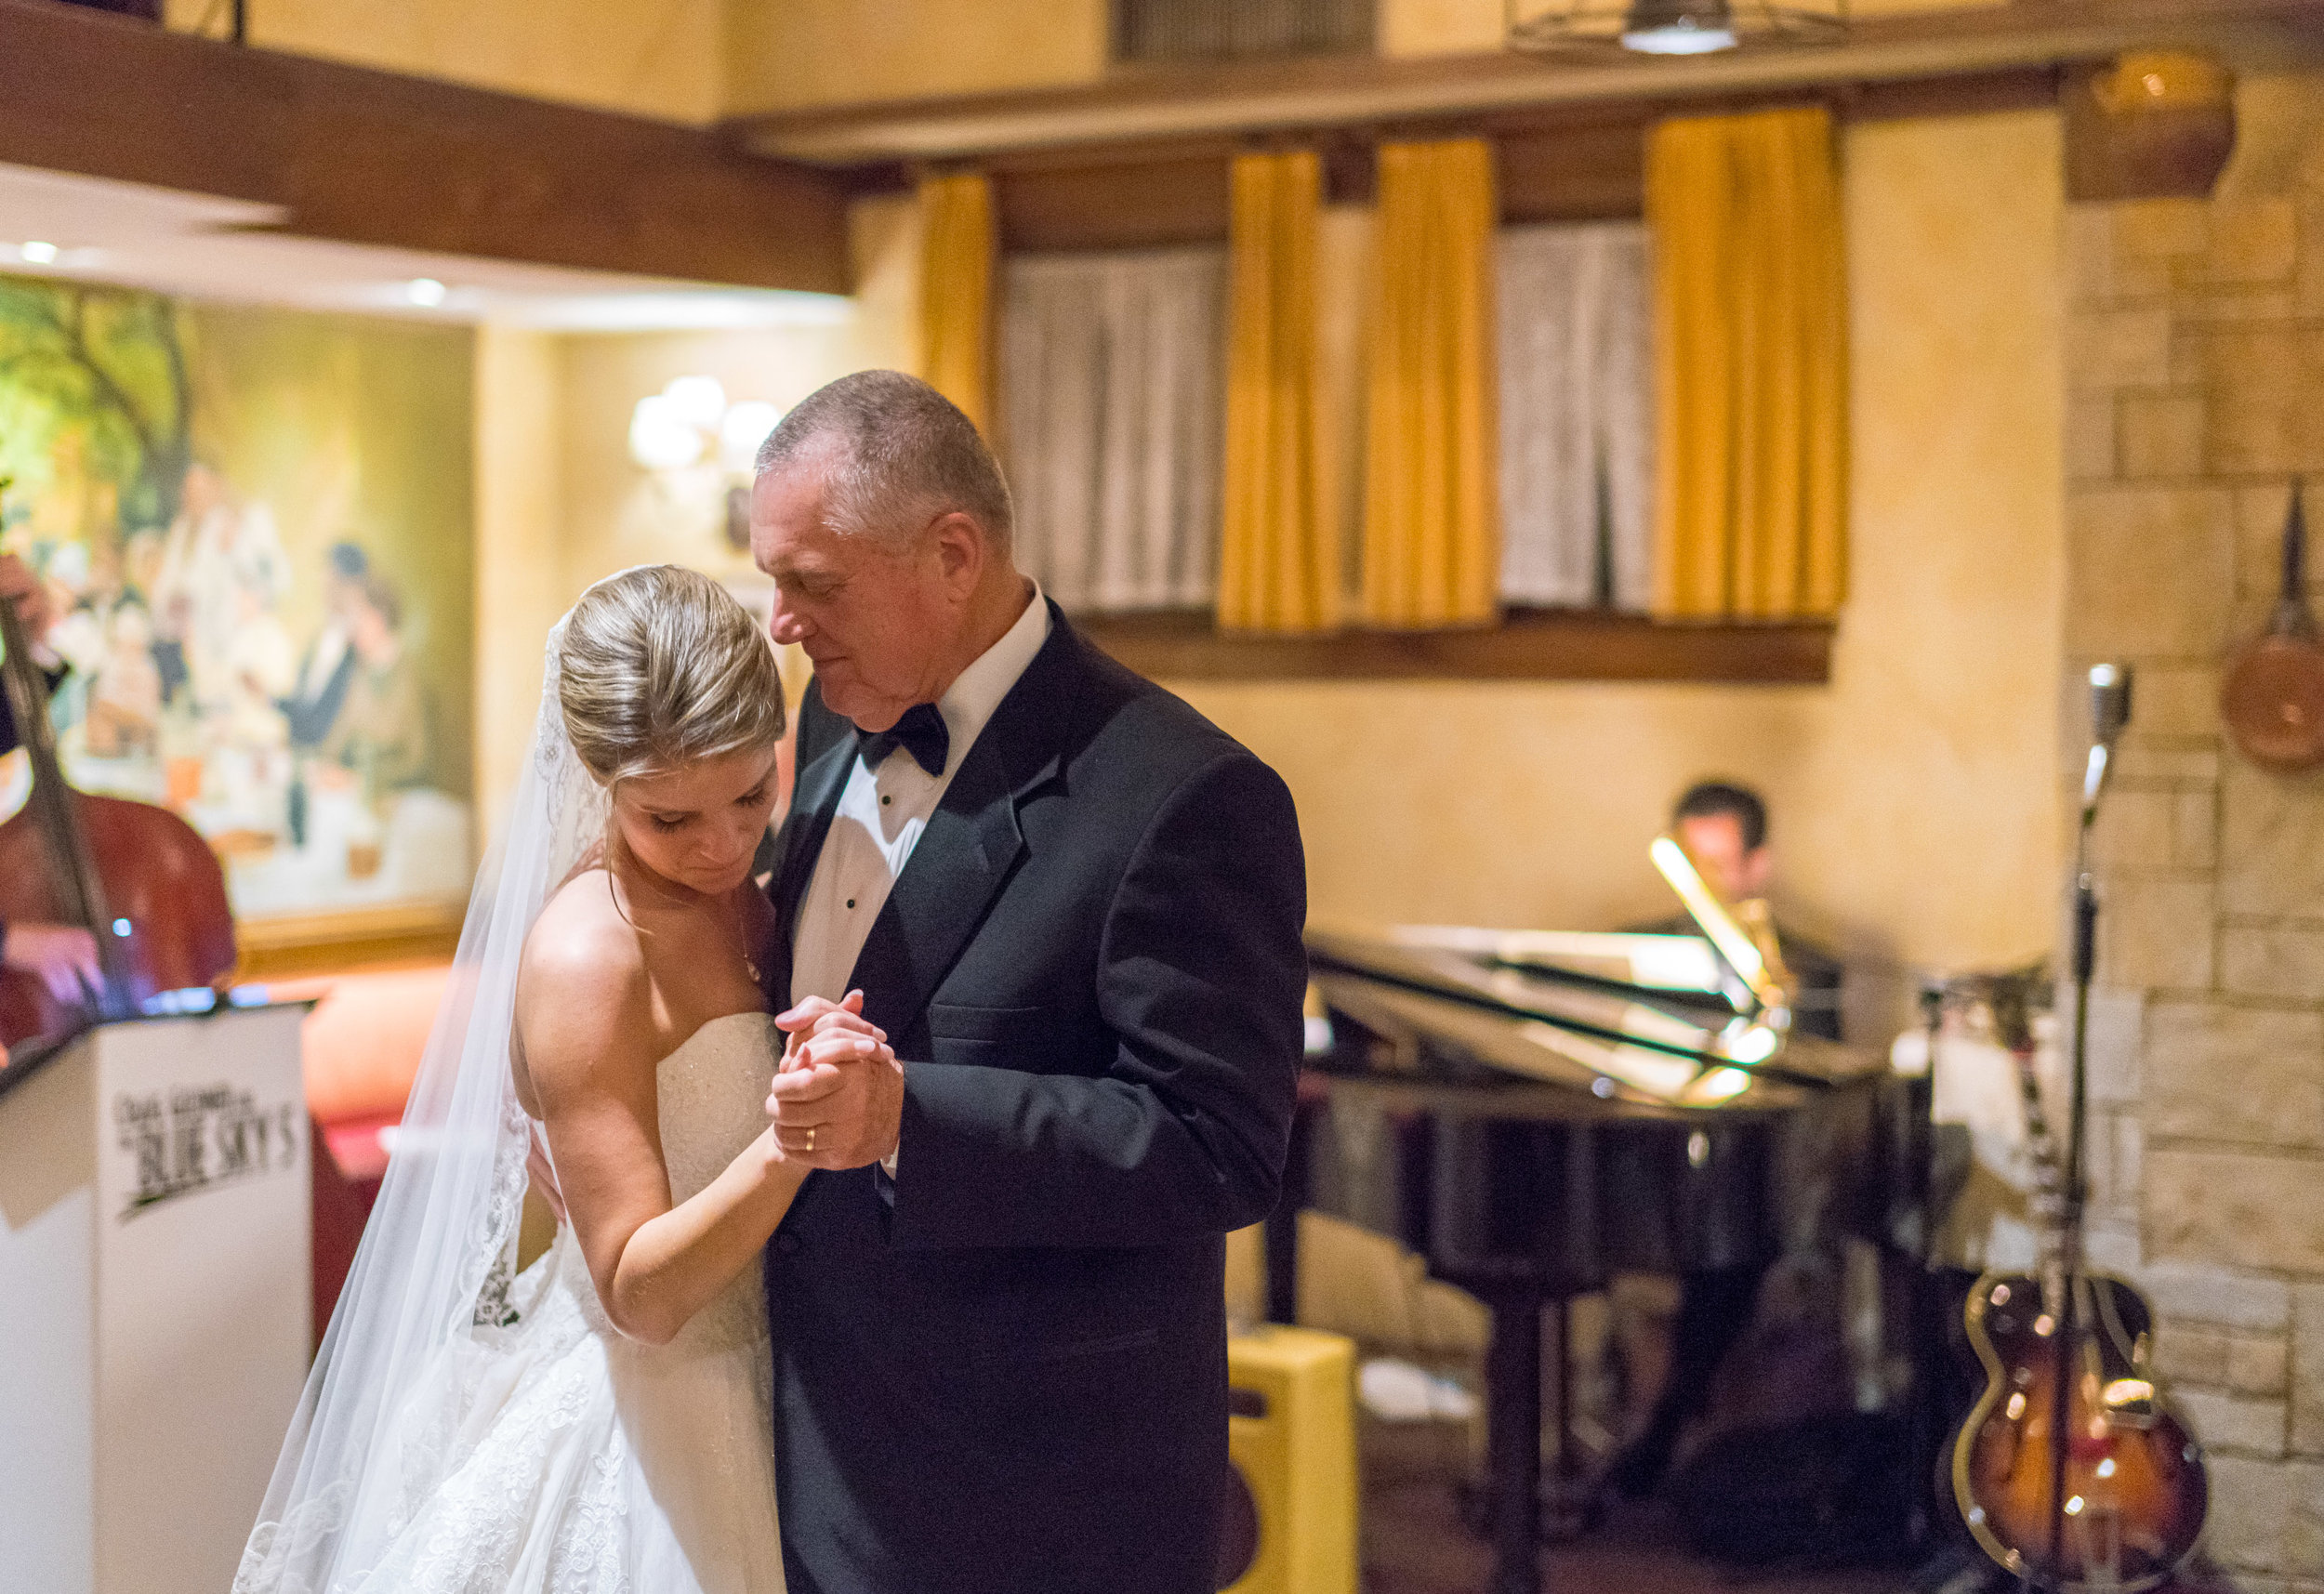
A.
pixel 785 55
pixel 614 514
pixel 1912 794
pixel 519 478
pixel 662 58
pixel 558 501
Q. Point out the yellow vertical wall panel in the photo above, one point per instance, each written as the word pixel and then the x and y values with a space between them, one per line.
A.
pixel 959 249
pixel 1278 563
pixel 1751 362
pixel 1431 499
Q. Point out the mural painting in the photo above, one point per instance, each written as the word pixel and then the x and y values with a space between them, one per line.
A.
pixel 257 525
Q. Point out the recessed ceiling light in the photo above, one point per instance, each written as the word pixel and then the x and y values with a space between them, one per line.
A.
pixel 426 292
pixel 38 254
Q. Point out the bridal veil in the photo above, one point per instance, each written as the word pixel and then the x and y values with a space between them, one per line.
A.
pixel 428 1304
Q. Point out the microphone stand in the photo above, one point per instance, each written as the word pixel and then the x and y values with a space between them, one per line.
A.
pixel 2110 702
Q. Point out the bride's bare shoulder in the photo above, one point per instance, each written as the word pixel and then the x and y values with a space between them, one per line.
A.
pixel 583 970
pixel 582 934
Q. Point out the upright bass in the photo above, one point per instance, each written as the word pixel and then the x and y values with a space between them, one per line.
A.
pixel 137 877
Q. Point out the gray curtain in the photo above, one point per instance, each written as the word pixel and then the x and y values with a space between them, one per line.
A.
pixel 1113 404
pixel 1577 416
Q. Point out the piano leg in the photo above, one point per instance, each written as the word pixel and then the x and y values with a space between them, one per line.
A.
pixel 1512 1372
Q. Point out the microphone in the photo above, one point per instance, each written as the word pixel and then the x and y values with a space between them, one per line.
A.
pixel 2109 712
pixel 2110 700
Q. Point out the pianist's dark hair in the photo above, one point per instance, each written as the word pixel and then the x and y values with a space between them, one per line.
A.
pixel 1706 799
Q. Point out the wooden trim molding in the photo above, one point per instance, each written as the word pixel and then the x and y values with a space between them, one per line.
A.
pixel 373 157
pixel 287 946
pixel 1528 645
pixel 1565 164
pixel 1969 48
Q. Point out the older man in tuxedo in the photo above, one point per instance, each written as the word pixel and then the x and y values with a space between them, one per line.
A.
pixel 1074 906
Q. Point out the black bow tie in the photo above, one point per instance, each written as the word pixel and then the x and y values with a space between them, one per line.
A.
pixel 920 732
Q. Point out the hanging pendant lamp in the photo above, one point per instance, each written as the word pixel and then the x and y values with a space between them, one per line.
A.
pixel 1668 27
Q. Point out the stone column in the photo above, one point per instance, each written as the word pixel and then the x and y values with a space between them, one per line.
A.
pixel 2195 369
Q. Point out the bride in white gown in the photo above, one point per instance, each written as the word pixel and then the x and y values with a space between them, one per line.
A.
pixel 601 1422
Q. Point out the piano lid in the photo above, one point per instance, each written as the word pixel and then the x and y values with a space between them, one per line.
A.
pixel 1582 1027
pixel 1666 963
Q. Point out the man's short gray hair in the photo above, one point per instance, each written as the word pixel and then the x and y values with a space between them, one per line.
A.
pixel 899 453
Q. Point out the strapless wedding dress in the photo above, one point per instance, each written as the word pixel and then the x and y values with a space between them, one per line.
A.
pixel 566 1459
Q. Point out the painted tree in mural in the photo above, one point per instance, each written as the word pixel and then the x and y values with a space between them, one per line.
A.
pixel 94 385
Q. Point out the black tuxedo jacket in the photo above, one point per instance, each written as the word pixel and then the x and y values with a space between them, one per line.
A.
pixel 1005 1369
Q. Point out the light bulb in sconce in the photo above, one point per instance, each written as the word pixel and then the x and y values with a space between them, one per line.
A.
pixel 701 401
pixel 661 437
pixel 745 426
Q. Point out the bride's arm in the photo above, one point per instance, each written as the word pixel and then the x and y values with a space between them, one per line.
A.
pixel 591 1050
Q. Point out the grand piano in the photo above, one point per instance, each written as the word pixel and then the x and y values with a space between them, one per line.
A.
pixel 1532 1111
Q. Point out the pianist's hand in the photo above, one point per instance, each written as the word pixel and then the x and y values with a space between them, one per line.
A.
pixel 21 587
pixel 62 958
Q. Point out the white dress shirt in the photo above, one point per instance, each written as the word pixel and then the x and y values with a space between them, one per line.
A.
pixel 882 813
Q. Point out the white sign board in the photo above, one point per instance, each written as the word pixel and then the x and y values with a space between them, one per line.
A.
pixel 155 1298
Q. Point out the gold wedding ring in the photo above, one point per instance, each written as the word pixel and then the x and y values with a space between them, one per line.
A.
pixel 810 1136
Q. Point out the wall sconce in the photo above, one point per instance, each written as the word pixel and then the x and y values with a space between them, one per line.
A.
pixel 688 428
pixel 2155 124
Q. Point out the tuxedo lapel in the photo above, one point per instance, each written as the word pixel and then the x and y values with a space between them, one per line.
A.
pixel 957 866
pixel 963 858
pixel 814 799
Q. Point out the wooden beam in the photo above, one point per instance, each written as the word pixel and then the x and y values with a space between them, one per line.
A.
pixel 1978 46
pixel 1555 164
pixel 1580 171
pixel 1528 645
pixel 375 157
pixel 1142 203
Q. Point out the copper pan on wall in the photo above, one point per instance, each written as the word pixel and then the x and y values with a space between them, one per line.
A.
pixel 2274 698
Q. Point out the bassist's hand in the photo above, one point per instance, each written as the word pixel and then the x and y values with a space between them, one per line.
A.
pixel 61 956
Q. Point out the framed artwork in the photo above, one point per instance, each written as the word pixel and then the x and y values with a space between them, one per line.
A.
pixel 257 527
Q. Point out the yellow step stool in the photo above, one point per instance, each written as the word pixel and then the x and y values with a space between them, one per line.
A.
pixel 1292 1434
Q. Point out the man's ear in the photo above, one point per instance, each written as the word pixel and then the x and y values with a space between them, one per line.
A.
pixel 959 544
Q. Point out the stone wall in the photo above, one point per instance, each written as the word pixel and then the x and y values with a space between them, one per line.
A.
pixel 2195 363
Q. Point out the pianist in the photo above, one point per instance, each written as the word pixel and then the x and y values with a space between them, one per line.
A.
pixel 62 958
pixel 1724 828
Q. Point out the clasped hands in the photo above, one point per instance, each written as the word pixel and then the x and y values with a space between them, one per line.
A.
pixel 838 1099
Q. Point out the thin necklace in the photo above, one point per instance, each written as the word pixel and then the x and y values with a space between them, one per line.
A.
pixel 739 929
pixel 742 945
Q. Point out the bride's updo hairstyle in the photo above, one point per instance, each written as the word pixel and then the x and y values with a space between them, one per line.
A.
pixel 661 667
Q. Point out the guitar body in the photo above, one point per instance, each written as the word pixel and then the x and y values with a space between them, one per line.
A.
pixel 2135 1489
